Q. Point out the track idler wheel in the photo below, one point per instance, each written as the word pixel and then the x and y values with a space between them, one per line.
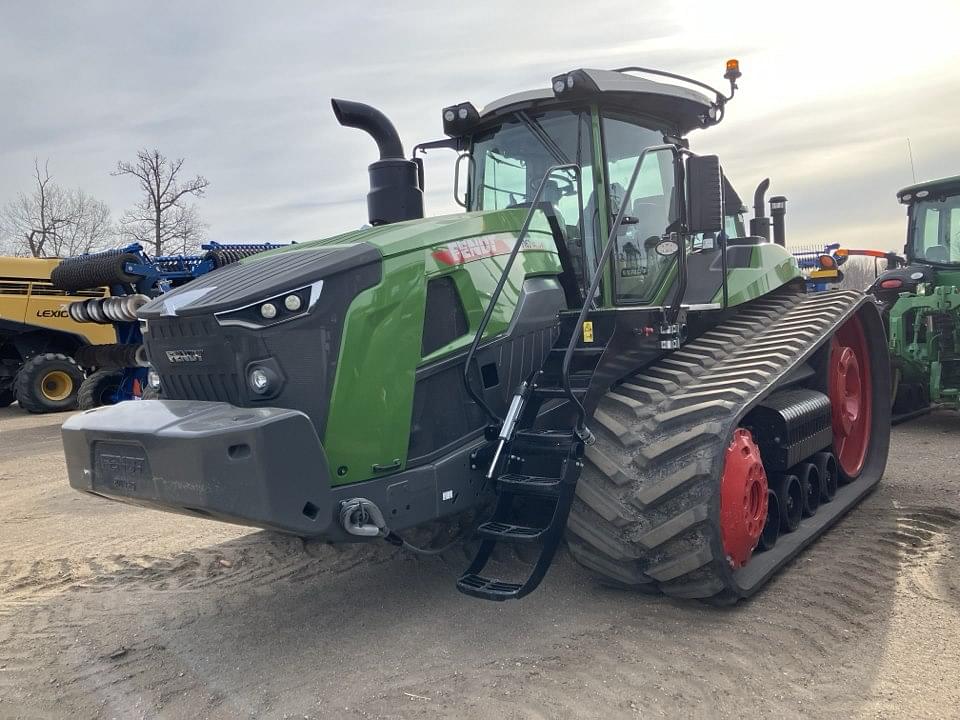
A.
pixel 810 483
pixel 743 498
pixel 827 467
pixel 789 493
pixel 771 529
pixel 851 393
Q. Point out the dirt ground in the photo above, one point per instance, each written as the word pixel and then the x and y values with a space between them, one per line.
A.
pixel 109 611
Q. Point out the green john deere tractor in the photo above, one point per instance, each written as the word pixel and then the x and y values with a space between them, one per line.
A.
pixel 595 350
pixel 921 300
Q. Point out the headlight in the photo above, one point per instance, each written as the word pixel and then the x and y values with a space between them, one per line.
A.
pixel 268 311
pixel 272 310
pixel 259 381
pixel 264 379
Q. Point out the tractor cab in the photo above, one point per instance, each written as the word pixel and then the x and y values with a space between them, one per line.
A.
pixel 933 235
pixel 932 249
pixel 576 147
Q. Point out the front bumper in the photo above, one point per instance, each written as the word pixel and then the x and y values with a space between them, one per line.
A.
pixel 262 466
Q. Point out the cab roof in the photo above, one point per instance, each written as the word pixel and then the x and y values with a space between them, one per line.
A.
pixel 683 107
pixel 943 186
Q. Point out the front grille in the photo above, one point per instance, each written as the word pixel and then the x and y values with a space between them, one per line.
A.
pixel 218 387
pixel 189 381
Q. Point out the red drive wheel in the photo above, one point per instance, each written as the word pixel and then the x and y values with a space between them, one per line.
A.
pixel 743 498
pixel 850 394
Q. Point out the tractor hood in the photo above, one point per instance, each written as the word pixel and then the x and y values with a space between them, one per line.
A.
pixel 404 237
pixel 303 264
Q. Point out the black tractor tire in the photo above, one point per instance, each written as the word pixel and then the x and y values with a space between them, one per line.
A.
pixel 99 389
pixel 7 397
pixel 48 382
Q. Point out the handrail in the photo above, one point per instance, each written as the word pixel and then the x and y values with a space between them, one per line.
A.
pixel 488 313
pixel 601 262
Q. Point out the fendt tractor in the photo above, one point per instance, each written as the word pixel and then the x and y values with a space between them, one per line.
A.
pixel 38 338
pixel 920 300
pixel 596 349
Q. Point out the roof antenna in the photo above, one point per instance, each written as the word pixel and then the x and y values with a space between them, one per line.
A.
pixel 912 168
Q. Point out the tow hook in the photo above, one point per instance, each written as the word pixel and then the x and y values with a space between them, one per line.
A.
pixel 359 516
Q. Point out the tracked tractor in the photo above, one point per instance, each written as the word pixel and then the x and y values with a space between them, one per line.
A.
pixel 920 300
pixel 594 350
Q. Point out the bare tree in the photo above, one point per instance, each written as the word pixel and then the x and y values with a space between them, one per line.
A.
pixel 92 228
pixel 860 272
pixel 162 218
pixel 52 221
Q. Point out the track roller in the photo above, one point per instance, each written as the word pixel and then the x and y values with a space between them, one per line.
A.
pixel 827 467
pixel 789 493
pixel 810 483
pixel 771 529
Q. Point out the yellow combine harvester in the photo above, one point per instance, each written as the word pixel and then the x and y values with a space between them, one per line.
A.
pixel 38 339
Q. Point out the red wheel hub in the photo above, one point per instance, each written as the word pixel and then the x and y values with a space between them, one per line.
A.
pixel 743 498
pixel 850 397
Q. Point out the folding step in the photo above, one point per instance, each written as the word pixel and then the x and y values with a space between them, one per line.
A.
pixel 486 589
pixel 529 485
pixel 581 350
pixel 547 442
pixel 510 533
pixel 559 392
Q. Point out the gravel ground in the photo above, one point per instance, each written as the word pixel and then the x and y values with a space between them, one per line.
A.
pixel 110 611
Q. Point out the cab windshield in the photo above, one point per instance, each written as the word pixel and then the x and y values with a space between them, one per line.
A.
pixel 936 231
pixel 510 160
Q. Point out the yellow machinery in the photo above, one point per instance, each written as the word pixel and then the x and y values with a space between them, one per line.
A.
pixel 38 339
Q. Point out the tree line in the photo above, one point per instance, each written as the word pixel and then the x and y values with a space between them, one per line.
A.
pixel 50 220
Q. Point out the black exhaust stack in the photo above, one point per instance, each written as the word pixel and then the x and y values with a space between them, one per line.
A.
pixel 760 223
pixel 395 193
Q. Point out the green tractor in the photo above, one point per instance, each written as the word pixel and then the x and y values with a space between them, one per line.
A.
pixel 921 300
pixel 596 351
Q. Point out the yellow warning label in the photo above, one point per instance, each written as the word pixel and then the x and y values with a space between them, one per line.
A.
pixel 588 331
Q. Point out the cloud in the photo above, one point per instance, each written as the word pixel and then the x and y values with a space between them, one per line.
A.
pixel 241 90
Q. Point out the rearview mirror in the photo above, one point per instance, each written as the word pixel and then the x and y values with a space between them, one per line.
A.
pixel 461 178
pixel 704 195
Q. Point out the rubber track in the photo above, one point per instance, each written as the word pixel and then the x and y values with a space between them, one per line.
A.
pixel 647 505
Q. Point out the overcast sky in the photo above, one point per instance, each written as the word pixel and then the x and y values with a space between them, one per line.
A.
pixel 830 92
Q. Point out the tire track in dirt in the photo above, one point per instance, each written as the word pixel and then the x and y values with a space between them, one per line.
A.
pixel 787 649
pixel 256 559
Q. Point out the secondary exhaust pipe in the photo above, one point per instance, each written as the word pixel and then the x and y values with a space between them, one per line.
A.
pixel 778 208
pixel 395 193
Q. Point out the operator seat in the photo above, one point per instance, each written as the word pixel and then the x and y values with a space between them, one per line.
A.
pixel 937 254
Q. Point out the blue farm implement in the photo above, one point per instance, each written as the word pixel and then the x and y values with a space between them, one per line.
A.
pixel 119 371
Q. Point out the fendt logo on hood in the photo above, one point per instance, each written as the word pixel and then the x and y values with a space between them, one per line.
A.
pixel 185 356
